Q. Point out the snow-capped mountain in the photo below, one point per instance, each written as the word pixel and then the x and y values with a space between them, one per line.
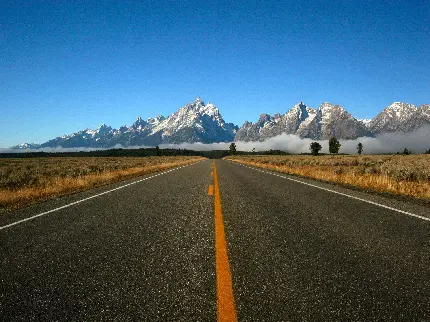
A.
pixel 326 121
pixel 366 122
pixel 293 122
pixel 333 120
pixel 200 122
pixel 262 129
pixel 23 146
pixel 400 117
pixel 100 137
pixel 194 122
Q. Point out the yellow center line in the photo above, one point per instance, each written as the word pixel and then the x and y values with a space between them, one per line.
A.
pixel 225 300
pixel 211 190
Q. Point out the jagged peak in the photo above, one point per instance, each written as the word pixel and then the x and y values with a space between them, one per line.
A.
pixel 365 121
pixel 155 120
pixel 198 101
pixel 25 145
pixel 139 120
pixel 104 128
pixel 138 124
pixel 199 108
pixel 300 105
pixel 326 105
pixel 264 116
pixel 194 106
pixel 401 105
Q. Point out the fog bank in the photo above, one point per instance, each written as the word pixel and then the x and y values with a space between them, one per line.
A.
pixel 417 142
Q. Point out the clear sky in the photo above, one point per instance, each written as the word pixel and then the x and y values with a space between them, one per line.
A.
pixel 71 65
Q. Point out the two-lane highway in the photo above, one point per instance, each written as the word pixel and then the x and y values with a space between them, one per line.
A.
pixel 145 252
pixel 153 251
pixel 300 253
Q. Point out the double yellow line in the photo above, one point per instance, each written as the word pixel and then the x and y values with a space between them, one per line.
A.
pixel 225 300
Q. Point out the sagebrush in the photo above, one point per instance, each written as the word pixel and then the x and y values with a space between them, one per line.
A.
pixel 24 181
pixel 399 174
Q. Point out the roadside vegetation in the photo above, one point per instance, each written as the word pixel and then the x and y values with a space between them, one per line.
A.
pixel 399 174
pixel 24 181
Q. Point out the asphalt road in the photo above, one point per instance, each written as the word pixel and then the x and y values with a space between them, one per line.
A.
pixel 146 252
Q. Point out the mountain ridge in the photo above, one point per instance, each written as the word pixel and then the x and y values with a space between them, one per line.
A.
pixel 200 122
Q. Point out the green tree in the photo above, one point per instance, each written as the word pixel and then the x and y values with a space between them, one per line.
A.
pixel 157 151
pixel 334 145
pixel 232 148
pixel 360 148
pixel 315 147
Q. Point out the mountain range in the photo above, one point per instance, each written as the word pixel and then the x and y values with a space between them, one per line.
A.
pixel 200 122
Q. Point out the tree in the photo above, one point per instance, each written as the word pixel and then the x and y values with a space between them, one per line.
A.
pixel 360 148
pixel 157 151
pixel 427 152
pixel 407 152
pixel 315 147
pixel 232 148
pixel 333 145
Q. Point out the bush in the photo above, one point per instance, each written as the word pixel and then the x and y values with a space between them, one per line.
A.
pixel 315 147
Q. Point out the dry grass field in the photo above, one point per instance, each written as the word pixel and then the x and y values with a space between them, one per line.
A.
pixel 28 180
pixel 399 174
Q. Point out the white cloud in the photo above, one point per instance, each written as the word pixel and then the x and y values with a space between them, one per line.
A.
pixel 417 142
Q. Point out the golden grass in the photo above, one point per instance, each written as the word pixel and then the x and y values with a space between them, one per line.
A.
pixel 407 175
pixel 28 180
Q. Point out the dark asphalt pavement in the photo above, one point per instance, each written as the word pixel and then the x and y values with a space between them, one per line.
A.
pixel 147 253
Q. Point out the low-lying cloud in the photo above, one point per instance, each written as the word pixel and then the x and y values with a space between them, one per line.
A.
pixel 417 142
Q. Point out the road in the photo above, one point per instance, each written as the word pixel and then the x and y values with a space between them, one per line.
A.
pixel 202 243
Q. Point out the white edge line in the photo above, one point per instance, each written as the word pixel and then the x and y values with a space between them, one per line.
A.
pixel 346 195
pixel 79 201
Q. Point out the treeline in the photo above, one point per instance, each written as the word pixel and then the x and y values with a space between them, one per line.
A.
pixel 148 152
pixel 143 152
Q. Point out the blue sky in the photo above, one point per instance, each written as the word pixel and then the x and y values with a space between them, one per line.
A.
pixel 71 65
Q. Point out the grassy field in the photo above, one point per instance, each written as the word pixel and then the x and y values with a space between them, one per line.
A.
pixel 28 180
pixel 399 174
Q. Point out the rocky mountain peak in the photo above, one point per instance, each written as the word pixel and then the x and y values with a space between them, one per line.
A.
pixel 299 106
pixel 200 122
pixel 24 146
pixel 300 111
pixel 139 124
pixel 103 129
pixel 399 109
pixel 399 117
pixel 326 106
pixel 264 117
pixel 425 109
pixel 155 120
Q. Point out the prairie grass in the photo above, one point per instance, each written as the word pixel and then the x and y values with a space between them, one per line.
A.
pixel 28 180
pixel 407 175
